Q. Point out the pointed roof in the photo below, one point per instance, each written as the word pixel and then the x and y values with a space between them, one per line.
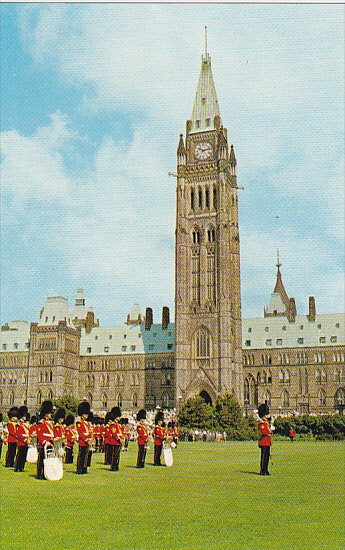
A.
pixel 279 302
pixel 206 103
pixel 233 161
pixel 181 150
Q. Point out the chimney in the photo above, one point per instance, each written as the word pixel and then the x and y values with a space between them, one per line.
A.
pixel 312 308
pixel 292 312
pixel 148 318
pixel 90 321
pixel 165 318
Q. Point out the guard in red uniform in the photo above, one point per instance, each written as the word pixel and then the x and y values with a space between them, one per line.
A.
pixel 12 437
pixel 264 439
pixel 116 438
pixel 84 437
pixel 45 435
pixel 291 434
pixel 143 438
pixel 125 433
pixel 59 431
pixel 33 429
pixel 23 439
pixel 101 435
pixel 107 435
pixel 71 437
pixel 159 434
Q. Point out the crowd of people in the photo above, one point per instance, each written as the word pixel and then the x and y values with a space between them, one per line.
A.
pixel 58 432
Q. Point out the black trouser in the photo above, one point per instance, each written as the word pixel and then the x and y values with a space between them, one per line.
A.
pixel 69 455
pixel 265 457
pixel 11 454
pixel 21 458
pixel 107 454
pixel 82 460
pixel 115 456
pixel 141 456
pixel 0 448
pixel 89 456
pixel 157 455
pixel 40 465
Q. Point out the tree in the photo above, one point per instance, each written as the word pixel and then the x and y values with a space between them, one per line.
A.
pixel 67 402
pixel 195 413
pixel 229 417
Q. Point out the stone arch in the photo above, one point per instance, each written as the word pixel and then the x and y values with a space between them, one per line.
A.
pixel 206 397
pixel 250 391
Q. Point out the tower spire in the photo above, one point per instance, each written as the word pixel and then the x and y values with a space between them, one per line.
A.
pixel 205 107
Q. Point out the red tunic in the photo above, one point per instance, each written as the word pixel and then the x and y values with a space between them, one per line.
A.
pixel 23 434
pixel 159 435
pixel 142 434
pixel 59 431
pixel 265 436
pixel 115 434
pixel 292 432
pixel 12 435
pixel 84 433
pixel 33 430
pixel 107 435
pixel 71 436
pixel 45 432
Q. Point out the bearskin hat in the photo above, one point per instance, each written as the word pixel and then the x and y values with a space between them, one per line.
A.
pixel 116 411
pixel 84 408
pixel 33 419
pixel 60 414
pixel 159 417
pixel 107 418
pixel 123 421
pixel 111 416
pixel 46 408
pixel 1 417
pixel 263 410
pixel 13 412
pixel 141 415
pixel 22 411
pixel 69 420
pixel 90 417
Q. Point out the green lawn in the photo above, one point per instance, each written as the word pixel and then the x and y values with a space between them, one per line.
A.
pixel 211 498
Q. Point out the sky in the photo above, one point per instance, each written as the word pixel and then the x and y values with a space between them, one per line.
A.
pixel 93 99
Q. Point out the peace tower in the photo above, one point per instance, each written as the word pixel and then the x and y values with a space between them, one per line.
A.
pixel 208 343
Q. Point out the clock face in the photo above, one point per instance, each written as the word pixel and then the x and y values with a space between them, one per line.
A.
pixel 203 150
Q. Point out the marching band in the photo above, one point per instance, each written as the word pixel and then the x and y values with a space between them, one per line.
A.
pixel 59 433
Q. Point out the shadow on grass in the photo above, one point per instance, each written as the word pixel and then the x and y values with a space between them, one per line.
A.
pixel 248 472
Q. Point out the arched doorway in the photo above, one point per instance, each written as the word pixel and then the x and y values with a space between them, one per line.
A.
pixel 206 397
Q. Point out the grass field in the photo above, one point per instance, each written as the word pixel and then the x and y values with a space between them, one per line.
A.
pixel 211 498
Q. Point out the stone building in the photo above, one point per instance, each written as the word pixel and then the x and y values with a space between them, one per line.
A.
pixel 294 362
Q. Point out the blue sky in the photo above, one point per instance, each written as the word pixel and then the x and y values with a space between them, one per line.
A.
pixel 93 100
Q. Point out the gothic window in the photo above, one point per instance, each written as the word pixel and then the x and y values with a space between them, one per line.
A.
pixel 196 236
pixel 215 198
pixel 207 198
pixel 211 275
pixel 286 376
pixel 208 121
pixel 134 400
pixel 165 399
pixel 50 395
pixel 50 376
pixel 202 344
pixel 38 398
pixel 196 276
pixel 11 398
pixel 210 234
pixel 322 397
pixel 340 397
pixel 318 376
pixel 250 391
pixel 104 401
pixel 281 377
pixel 269 377
pixel 285 398
pixel 192 199
pixel 119 400
pixel 200 198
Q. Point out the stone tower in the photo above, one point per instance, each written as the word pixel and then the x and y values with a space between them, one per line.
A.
pixel 207 286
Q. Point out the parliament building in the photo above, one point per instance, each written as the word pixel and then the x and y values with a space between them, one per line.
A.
pixel 295 363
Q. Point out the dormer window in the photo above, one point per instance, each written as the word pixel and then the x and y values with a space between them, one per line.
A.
pixel 203 100
pixel 208 122
pixel 198 123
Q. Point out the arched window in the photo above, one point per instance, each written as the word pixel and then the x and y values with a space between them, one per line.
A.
pixel 322 397
pixel 200 198
pixel 50 395
pixel 11 398
pixel 165 400
pixel 207 198
pixel 50 376
pixel 215 198
pixel 104 401
pixel 285 398
pixel 318 376
pixel 281 377
pixel 119 400
pixel 202 344
pixel 250 391
pixel 192 205
pixel 38 398
pixel 210 235
pixel 340 397
pixel 134 400
pixel 269 377
pixel 196 236
pixel 286 376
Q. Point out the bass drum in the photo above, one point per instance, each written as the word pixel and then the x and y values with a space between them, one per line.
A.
pixel 32 455
pixel 168 456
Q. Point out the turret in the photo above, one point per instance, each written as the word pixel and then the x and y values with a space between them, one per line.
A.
pixel 181 152
pixel 165 318
pixel 233 161
pixel 223 152
pixel 312 308
pixel 148 318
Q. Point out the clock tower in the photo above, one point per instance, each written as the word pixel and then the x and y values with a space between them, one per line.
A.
pixel 207 286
